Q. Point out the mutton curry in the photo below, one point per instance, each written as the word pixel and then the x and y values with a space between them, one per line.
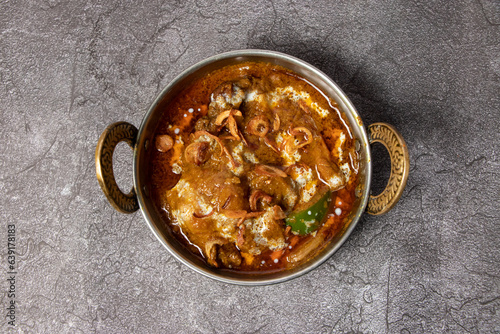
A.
pixel 254 169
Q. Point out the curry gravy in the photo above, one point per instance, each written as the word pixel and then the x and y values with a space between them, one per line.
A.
pixel 254 168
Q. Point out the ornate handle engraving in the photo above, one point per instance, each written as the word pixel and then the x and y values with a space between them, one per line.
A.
pixel 115 133
pixel 400 166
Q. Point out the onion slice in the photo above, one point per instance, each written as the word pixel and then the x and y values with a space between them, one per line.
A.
pixel 256 196
pixel 197 215
pixel 278 213
pixel 224 149
pixel 225 114
pixel 196 153
pixel 241 235
pixel 269 171
pixel 243 138
pixel 308 137
pixel 259 126
pixel 254 214
pixel 233 127
pixel 303 105
pixel 226 203
pixel 271 144
pixel 234 213
pixel 276 123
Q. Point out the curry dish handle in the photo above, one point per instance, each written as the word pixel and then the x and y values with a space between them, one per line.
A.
pixel 388 136
pixel 115 133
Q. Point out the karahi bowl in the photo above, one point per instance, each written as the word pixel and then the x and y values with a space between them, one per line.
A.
pixel 141 141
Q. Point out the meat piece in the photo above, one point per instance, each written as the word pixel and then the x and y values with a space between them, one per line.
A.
pixel 219 186
pixel 263 232
pixel 229 255
pixel 204 124
pixel 211 250
pixel 219 249
pixel 197 153
pixel 227 95
pixel 282 190
pixel 319 157
pixel 330 174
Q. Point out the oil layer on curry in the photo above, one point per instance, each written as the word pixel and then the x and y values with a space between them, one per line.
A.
pixel 254 168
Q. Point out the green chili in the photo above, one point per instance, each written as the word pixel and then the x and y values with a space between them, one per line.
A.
pixel 308 220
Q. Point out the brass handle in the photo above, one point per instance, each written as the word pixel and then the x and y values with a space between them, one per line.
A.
pixel 400 166
pixel 115 133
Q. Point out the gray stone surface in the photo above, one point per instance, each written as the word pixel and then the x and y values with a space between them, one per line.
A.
pixel 70 68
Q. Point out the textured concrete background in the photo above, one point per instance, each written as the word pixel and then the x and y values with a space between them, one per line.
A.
pixel 70 68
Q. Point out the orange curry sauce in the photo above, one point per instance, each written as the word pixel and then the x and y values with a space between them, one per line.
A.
pixel 239 152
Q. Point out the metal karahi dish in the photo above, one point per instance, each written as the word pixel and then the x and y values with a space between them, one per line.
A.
pixel 245 249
